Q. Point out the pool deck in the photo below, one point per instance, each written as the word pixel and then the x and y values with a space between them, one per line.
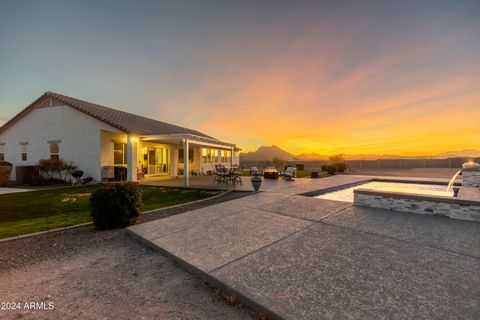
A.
pixel 297 257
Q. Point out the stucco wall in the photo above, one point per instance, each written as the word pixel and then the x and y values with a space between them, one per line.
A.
pixel 80 137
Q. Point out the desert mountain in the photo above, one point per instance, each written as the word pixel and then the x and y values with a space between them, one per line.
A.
pixel 265 153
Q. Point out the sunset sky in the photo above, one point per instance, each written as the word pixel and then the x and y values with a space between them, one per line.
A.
pixel 396 77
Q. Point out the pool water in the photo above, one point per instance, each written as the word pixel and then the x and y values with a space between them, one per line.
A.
pixel 346 194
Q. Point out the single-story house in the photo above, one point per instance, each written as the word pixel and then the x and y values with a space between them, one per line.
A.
pixel 98 139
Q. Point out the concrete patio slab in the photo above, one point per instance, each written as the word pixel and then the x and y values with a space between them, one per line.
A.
pixel 329 272
pixel 210 245
pixel 453 235
pixel 301 207
pixel 163 227
pixel 297 257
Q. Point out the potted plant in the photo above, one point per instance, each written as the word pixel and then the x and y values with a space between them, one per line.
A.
pixel 256 181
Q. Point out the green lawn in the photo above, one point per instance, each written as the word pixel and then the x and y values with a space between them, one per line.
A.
pixel 27 212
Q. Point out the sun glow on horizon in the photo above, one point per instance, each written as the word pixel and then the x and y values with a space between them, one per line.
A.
pixel 391 77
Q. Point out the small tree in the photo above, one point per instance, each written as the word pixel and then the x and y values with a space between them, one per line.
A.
pixel 337 157
pixel 59 167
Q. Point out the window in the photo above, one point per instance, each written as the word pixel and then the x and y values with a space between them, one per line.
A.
pixel 210 155
pixel 119 153
pixel 24 150
pixel 226 155
pixel 54 150
pixel 2 152
pixel 190 155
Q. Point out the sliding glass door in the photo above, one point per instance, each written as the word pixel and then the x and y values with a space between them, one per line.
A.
pixel 158 161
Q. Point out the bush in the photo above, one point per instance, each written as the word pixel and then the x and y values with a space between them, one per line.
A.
pixel 53 168
pixel 324 167
pixel 38 181
pixel 300 166
pixel 341 166
pixel 331 169
pixel 5 171
pixel 116 205
pixel 5 164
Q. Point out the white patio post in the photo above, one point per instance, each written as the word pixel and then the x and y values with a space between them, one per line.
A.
pixel 185 162
pixel 132 158
pixel 173 161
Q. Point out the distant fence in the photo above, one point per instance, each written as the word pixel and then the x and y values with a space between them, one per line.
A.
pixel 374 164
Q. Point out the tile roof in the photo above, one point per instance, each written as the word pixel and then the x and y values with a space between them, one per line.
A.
pixel 127 122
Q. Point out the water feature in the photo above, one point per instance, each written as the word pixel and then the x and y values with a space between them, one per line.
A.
pixel 467 165
pixel 347 194
pixel 452 181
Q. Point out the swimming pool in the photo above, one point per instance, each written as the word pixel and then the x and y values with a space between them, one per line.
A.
pixel 346 194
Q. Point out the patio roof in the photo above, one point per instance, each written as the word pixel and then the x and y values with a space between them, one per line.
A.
pixel 179 138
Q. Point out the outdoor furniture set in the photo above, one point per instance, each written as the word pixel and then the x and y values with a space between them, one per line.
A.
pixel 227 176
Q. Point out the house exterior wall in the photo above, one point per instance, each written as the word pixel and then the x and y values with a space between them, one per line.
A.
pixel 78 133
pixel 107 138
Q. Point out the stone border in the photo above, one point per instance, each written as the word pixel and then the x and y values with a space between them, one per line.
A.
pixel 461 209
pixel 414 196
pixel 335 188
pixel 367 180
pixel 28 235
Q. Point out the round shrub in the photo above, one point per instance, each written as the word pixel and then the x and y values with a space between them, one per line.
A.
pixel 323 167
pixel 341 166
pixel 331 169
pixel 115 205
pixel 5 171
pixel 5 164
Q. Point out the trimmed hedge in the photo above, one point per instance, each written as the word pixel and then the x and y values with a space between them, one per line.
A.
pixel 116 205
pixel 331 169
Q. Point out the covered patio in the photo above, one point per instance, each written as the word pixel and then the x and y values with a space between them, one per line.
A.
pixel 176 158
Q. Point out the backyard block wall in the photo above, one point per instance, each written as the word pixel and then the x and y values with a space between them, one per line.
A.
pixel 421 204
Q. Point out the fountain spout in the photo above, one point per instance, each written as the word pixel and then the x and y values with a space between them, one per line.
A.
pixel 452 181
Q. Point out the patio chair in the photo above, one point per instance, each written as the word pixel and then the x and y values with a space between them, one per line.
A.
pixel 236 175
pixel 290 173
pixel 220 174
pixel 255 172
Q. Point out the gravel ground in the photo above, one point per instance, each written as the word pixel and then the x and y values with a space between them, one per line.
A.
pixel 90 274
